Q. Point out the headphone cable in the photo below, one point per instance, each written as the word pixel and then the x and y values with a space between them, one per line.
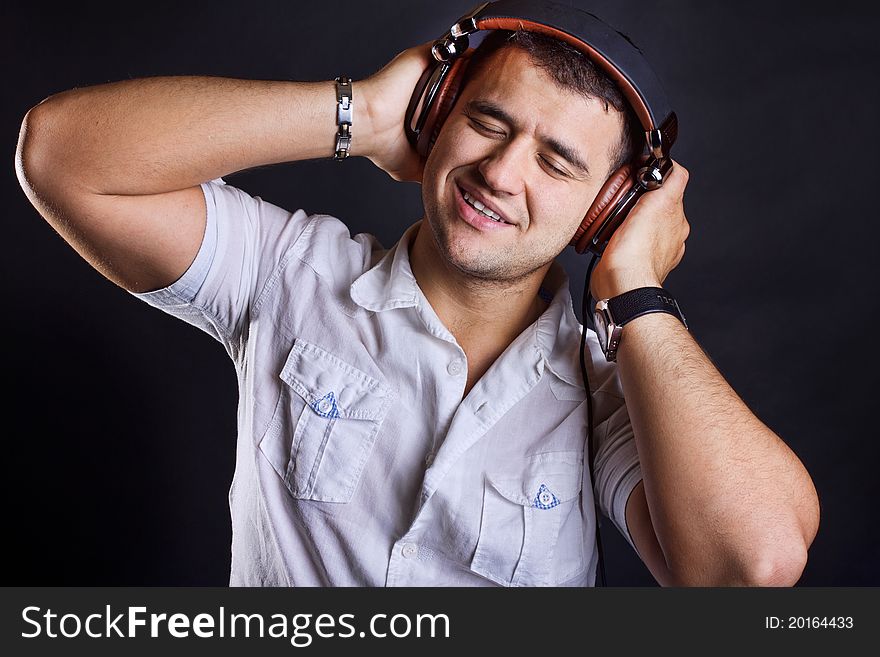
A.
pixel 600 571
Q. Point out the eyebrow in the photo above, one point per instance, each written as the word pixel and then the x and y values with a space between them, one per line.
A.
pixel 565 151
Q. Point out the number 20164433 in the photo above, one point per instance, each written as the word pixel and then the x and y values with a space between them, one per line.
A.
pixel 808 622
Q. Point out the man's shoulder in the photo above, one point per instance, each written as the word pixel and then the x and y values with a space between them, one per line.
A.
pixel 328 247
pixel 320 240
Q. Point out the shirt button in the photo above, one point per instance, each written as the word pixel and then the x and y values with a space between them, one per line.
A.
pixel 409 550
pixel 454 367
pixel 546 498
pixel 325 405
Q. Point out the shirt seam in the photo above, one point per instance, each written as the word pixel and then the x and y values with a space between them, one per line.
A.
pixel 270 283
pixel 204 310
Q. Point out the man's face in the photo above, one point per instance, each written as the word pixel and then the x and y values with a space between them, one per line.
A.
pixel 515 142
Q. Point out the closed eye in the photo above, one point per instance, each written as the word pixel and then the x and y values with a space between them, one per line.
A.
pixel 482 127
pixel 553 167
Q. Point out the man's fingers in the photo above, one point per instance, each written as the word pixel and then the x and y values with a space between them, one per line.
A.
pixel 678 178
pixel 424 52
pixel 678 258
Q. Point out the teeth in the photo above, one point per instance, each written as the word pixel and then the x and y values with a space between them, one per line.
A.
pixel 482 208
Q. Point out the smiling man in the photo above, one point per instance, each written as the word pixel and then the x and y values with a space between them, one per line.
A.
pixel 416 415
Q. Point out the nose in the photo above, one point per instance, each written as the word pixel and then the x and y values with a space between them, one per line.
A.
pixel 503 168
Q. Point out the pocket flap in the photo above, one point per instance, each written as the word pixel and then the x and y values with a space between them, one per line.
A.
pixel 332 387
pixel 549 479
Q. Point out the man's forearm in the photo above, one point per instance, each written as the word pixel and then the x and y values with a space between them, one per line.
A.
pixel 729 501
pixel 160 134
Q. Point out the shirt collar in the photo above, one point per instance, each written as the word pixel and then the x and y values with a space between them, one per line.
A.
pixel 390 283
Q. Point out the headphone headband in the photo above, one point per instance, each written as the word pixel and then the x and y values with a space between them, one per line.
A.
pixel 606 47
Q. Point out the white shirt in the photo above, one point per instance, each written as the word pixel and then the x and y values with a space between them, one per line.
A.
pixel 358 462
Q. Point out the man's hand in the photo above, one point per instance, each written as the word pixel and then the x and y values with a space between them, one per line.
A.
pixel 648 244
pixel 386 95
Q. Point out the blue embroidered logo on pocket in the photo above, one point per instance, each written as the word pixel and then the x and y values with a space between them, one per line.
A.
pixel 326 406
pixel 544 499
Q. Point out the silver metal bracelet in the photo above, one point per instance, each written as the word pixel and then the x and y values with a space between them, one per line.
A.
pixel 343 117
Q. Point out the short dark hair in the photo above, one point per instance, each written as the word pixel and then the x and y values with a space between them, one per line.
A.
pixel 573 70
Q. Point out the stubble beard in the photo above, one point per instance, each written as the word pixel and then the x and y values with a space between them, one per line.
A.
pixel 504 266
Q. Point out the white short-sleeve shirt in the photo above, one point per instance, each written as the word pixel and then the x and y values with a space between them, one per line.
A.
pixel 358 462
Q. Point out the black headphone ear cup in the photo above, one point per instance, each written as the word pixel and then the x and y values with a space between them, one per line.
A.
pixel 611 194
pixel 442 104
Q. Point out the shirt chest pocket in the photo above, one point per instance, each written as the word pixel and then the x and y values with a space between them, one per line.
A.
pixel 324 425
pixel 531 529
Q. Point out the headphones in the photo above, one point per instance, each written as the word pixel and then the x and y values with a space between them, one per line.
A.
pixel 611 51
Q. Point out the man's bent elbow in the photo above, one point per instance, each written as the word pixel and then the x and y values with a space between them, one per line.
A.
pixel 782 561
pixel 30 153
pixel 779 570
pixel 768 570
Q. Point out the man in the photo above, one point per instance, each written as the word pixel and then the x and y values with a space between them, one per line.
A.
pixel 416 415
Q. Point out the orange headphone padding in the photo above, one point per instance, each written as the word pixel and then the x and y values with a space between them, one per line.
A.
pixel 444 99
pixel 613 191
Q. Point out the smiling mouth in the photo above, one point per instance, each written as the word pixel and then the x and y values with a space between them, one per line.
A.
pixel 482 209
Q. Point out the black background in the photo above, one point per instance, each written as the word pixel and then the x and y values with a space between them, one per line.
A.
pixel 120 421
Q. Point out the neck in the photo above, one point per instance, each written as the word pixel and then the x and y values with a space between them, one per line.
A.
pixel 483 315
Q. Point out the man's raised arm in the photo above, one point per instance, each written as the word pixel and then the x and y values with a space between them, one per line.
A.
pixel 115 168
pixel 724 501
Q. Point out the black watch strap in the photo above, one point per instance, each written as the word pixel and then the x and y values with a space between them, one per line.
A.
pixel 641 301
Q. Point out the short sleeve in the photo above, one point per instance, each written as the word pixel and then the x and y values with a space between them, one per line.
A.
pixel 246 240
pixel 617 468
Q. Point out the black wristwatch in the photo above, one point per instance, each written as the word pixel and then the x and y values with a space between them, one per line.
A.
pixel 612 314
